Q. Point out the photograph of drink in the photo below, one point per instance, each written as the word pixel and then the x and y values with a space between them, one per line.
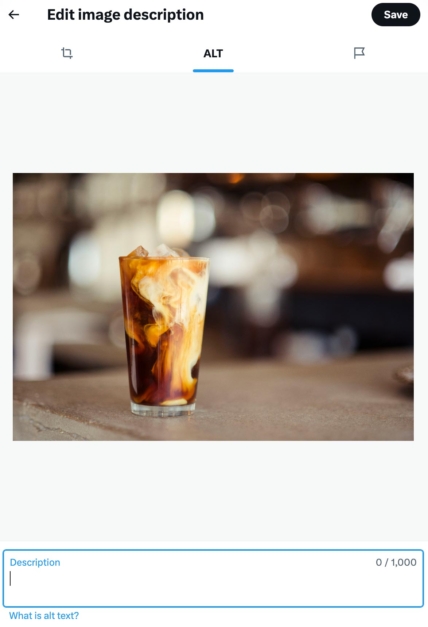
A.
pixel 164 300
pixel 253 306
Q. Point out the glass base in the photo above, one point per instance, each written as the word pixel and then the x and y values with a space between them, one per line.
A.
pixel 162 411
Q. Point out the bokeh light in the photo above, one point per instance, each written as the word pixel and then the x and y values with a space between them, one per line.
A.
pixel 84 260
pixel 205 219
pixel 176 219
pixel 399 274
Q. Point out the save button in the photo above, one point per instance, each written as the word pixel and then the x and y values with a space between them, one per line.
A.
pixel 396 14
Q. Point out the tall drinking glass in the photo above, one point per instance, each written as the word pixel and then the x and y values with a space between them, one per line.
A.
pixel 164 301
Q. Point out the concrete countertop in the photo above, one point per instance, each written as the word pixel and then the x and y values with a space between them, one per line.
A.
pixel 352 399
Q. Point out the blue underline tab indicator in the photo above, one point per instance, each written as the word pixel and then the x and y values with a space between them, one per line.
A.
pixel 214 71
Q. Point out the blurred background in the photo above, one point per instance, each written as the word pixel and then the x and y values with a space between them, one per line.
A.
pixel 305 268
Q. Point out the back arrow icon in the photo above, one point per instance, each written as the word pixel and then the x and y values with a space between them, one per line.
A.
pixel 13 15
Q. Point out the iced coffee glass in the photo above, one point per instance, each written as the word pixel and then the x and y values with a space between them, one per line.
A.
pixel 164 300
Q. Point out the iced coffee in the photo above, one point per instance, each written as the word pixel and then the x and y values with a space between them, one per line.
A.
pixel 164 299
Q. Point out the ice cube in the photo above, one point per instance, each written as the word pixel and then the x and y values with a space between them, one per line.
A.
pixel 139 252
pixel 180 252
pixel 164 251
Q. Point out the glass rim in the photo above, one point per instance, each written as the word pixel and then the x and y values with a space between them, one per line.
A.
pixel 166 258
